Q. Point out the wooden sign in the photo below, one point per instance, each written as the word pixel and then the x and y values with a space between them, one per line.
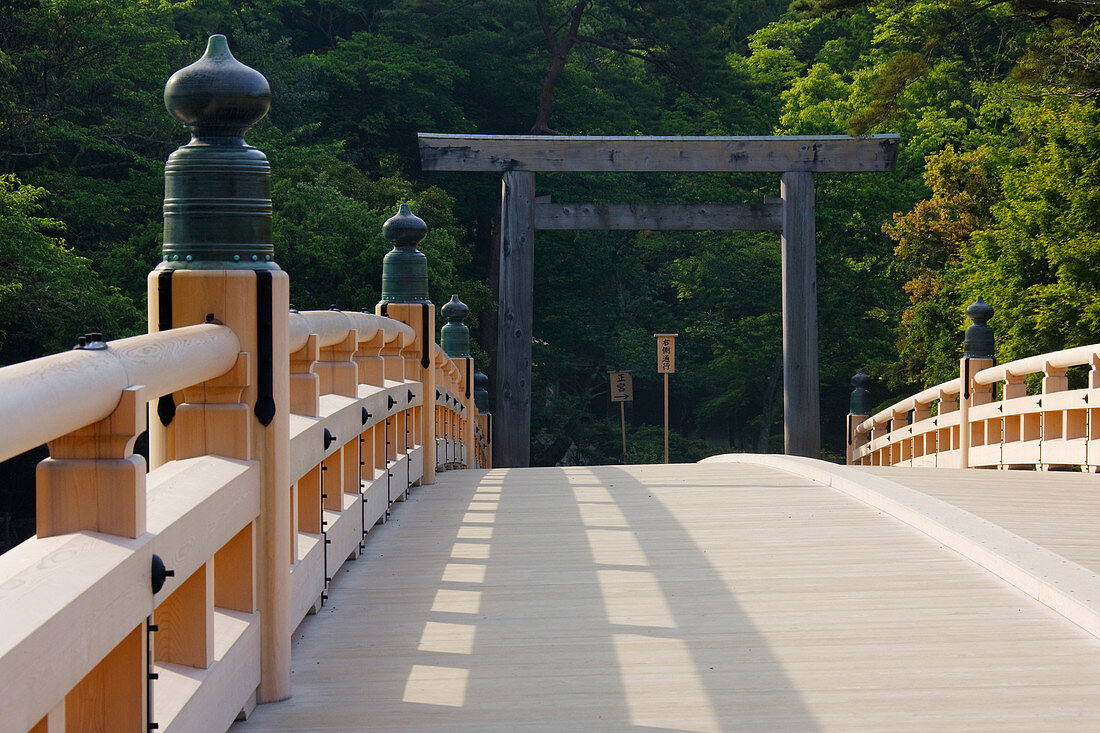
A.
pixel 622 387
pixel 666 352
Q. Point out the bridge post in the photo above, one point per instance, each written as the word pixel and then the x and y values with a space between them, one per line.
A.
pixel 859 410
pixel 405 299
pixel 977 355
pixel 801 402
pixel 455 340
pixel 484 417
pixel 218 263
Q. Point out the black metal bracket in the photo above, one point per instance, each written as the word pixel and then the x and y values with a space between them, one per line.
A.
pixel 329 439
pixel 265 360
pixel 425 338
pixel 150 675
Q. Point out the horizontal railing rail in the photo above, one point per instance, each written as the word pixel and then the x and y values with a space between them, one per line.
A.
pixel 45 398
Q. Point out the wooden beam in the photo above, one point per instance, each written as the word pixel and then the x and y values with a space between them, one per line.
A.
pixel 801 408
pixel 655 217
pixel 512 441
pixel 776 154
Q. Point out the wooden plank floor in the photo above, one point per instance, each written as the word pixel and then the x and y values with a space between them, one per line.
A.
pixel 1058 510
pixel 719 597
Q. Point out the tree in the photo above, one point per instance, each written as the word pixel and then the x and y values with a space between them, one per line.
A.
pixel 48 295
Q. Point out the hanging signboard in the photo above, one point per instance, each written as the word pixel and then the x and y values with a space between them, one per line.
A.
pixel 622 387
pixel 666 352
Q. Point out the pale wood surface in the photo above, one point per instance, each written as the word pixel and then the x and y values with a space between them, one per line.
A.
pixel 1056 510
pixel 187 699
pixel 711 597
pixel 657 217
pixel 1070 589
pixel 45 398
pixel 506 153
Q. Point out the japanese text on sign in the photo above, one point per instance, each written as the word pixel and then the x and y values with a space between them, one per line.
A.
pixel 666 352
pixel 622 387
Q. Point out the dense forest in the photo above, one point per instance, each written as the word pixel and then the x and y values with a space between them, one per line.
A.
pixel 997 188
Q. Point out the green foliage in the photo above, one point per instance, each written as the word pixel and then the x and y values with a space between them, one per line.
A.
pixel 1038 260
pixel 995 192
pixel 930 239
pixel 48 295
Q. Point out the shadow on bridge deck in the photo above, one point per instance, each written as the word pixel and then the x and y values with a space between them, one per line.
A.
pixel 686 598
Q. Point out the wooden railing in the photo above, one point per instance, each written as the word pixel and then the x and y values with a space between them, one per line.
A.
pixel 77 600
pixel 986 419
pixel 165 599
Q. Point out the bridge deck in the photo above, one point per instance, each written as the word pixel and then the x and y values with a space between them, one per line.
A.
pixel 709 597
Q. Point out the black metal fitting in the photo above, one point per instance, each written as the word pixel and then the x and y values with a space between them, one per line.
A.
pixel 90 342
pixel 160 574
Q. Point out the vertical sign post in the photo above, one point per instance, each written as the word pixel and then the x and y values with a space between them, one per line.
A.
pixel 622 391
pixel 666 364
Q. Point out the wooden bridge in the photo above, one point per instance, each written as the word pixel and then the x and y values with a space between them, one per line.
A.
pixel 764 593
pixel 321 542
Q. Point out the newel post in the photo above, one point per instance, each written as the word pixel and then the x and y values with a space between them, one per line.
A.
pixel 858 411
pixel 977 355
pixel 484 417
pixel 218 260
pixel 455 340
pixel 405 299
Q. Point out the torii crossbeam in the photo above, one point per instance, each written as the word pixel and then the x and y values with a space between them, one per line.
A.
pixel 519 157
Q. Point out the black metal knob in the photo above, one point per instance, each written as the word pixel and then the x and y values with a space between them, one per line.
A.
pixel 160 574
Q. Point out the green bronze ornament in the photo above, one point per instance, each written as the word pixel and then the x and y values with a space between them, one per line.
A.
pixel 481 391
pixel 455 335
pixel 860 402
pixel 217 187
pixel 405 268
pixel 978 341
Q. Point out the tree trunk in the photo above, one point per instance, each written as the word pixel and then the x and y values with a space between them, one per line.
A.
pixel 559 54
pixel 768 416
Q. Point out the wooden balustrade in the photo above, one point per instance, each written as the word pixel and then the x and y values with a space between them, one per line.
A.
pixel 277 439
pixel 994 424
pixel 77 600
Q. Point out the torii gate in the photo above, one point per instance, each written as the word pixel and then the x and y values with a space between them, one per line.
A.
pixel 519 157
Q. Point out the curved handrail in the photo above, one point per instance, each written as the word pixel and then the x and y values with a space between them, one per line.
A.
pixel 332 327
pixel 55 395
pixel 1064 359
pixel 992 428
pixel 901 407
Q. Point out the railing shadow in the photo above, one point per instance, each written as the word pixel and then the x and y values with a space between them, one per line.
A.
pixel 551 599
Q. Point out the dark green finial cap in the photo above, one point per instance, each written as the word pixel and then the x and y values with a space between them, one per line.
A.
pixel 481 391
pixel 978 343
pixel 217 188
pixel 455 335
pixel 405 268
pixel 861 396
